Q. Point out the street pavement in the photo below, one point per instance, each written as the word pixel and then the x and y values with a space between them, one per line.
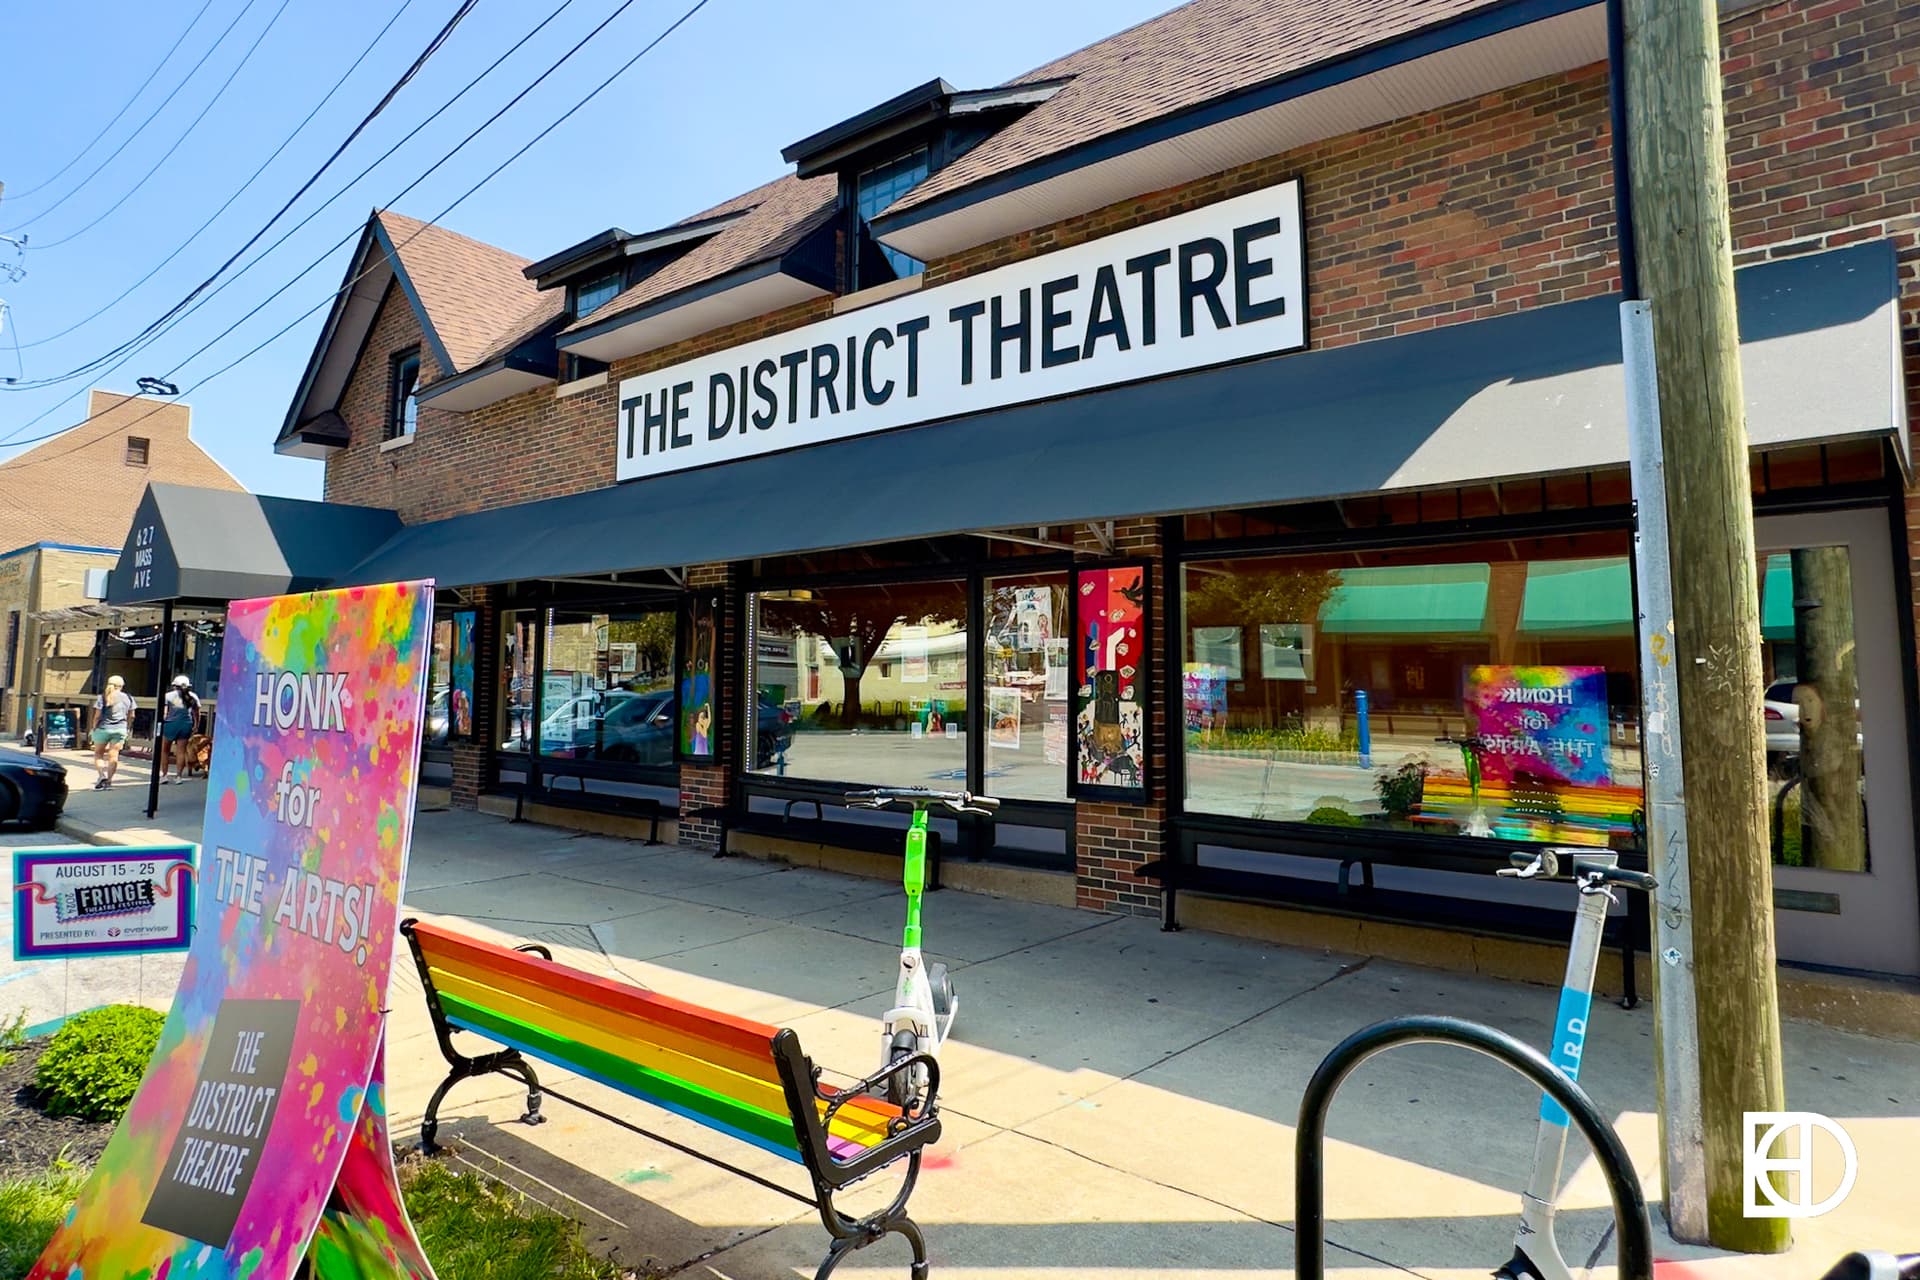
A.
pixel 1119 1101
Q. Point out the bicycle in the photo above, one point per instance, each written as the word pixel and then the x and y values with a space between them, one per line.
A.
pixel 924 1002
pixel 1536 1254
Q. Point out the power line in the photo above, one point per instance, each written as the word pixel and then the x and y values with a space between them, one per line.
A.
pixel 151 117
pixel 131 99
pixel 180 309
pixel 187 133
pixel 595 92
pixel 237 191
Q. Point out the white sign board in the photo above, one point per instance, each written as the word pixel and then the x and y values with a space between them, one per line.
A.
pixel 1222 283
pixel 102 901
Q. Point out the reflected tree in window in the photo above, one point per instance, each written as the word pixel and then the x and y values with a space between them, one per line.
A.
pixel 1833 827
pixel 854 620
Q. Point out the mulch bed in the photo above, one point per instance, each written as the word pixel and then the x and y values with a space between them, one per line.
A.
pixel 30 1139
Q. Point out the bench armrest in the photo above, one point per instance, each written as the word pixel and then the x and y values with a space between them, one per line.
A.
pixel 802 1085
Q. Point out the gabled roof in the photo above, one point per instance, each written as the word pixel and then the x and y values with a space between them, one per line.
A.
pixel 1216 83
pixel 78 488
pixel 1186 56
pixel 470 300
pixel 779 216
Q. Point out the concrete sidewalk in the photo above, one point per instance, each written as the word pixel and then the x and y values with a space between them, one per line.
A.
pixel 1119 1100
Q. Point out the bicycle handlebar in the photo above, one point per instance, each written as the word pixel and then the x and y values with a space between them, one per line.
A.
pixel 923 798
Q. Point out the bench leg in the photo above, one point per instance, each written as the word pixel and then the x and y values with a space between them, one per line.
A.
pixel 846 1246
pixel 508 1062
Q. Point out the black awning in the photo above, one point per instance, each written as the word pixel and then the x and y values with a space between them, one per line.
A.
pixel 1532 393
pixel 214 545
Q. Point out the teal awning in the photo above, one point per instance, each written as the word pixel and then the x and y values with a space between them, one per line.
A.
pixel 1579 597
pixel 1411 600
pixel 1776 599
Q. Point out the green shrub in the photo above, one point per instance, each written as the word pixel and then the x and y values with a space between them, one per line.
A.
pixel 31 1209
pixel 1328 816
pixel 93 1065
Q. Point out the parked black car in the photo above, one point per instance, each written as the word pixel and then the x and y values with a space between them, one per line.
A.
pixel 33 790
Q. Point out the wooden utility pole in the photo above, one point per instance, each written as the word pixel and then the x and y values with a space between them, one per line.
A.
pixel 1677 146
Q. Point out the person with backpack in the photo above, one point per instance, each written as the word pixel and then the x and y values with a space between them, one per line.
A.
pixel 181 722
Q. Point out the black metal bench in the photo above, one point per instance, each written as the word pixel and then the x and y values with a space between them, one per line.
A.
pixel 642 807
pixel 817 828
pixel 746 1080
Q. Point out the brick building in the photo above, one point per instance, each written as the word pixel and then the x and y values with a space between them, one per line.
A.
pixel 64 510
pixel 1245 389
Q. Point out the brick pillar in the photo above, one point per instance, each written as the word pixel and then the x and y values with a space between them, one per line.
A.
pixel 1112 840
pixel 702 785
pixel 470 757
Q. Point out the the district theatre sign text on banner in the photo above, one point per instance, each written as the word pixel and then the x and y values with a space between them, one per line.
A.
pixel 260 1129
pixel 1218 284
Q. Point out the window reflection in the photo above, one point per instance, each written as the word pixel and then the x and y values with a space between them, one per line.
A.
pixel 516 682
pixel 435 732
pixel 862 684
pixel 1815 759
pixel 607 687
pixel 1485 690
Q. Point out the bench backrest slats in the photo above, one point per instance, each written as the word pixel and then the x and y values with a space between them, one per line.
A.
pixel 454 952
pixel 491 989
pixel 711 1067
pixel 763 1129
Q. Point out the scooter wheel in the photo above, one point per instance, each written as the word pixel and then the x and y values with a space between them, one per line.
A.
pixel 941 987
pixel 903 1085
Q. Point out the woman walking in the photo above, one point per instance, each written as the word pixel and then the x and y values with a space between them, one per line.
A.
pixel 181 723
pixel 112 724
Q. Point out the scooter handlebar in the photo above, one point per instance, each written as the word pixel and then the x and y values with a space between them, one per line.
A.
pixel 923 798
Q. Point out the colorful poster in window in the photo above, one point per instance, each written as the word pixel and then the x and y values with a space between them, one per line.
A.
pixel 1109 740
pixel 460 684
pixel 1546 724
pixel 1053 737
pixel 261 1111
pixel 1032 618
pixel 1003 719
pixel 1203 699
pixel 698 738
pixel 88 901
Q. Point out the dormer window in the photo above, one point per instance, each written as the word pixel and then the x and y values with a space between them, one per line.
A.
pixel 590 295
pixel 874 190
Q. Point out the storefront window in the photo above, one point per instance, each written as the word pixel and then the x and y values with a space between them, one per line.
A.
pixel 515 698
pixel 436 730
pixel 1815 761
pixel 862 684
pixel 607 688
pixel 1026 687
pixel 1484 690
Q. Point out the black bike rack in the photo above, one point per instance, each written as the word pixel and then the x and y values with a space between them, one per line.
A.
pixel 1310 1221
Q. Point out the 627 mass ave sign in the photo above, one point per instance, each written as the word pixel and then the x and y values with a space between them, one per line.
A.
pixel 1218 284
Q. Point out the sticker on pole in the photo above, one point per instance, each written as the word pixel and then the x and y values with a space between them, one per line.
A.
pixel 94 901
pixel 259 1128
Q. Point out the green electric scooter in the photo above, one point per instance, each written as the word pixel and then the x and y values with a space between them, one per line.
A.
pixel 924 1003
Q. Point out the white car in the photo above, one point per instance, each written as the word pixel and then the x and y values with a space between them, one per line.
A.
pixel 1783 720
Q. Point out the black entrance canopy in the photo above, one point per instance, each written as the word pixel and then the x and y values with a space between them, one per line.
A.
pixel 1538 392
pixel 213 545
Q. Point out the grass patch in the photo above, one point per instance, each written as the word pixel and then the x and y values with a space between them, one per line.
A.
pixel 13 1035
pixel 31 1209
pixel 478 1230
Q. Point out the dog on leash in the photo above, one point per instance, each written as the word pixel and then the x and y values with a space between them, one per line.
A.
pixel 199 754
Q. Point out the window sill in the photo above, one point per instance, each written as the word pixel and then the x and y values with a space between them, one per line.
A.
pixel 878 293
pixel 398 442
pixel 578 385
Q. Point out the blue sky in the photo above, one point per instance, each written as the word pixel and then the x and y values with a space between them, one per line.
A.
pixel 700 119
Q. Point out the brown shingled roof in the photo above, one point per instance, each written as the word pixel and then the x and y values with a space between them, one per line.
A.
pixel 784 212
pixel 477 298
pixel 78 487
pixel 1184 57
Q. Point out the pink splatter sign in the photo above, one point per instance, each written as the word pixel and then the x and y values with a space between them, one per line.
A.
pixel 261 1110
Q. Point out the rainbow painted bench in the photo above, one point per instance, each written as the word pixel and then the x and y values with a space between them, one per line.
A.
pixel 746 1080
